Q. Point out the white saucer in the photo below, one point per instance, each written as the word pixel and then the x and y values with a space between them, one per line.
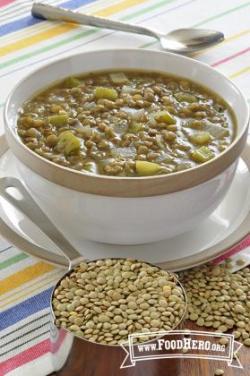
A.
pixel 183 251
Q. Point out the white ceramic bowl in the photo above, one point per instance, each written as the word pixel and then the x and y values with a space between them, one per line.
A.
pixel 127 210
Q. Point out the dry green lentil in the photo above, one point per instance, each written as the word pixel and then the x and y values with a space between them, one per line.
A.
pixel 223 341
pixel 107 308
pixel 240 262
pixel 218 372
pixel 247 342
pixel 225 305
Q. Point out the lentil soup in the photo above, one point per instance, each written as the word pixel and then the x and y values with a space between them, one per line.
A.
pixel 128 123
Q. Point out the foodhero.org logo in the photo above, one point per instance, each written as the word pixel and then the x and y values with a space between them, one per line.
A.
pixel 181 344
pixel 185 344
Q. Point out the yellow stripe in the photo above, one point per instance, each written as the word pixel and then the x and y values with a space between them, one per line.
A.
pixel 240 72
pixel 63 28
pixel 119 7
pixel 29 41
pixel 25 275
pixel 39 286
pixel 227 40
pixel 19 34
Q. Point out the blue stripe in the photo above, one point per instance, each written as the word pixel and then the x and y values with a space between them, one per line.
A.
pixel 30 20
pixel 25 309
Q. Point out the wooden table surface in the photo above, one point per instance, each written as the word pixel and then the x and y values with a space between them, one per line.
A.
pixel 188 367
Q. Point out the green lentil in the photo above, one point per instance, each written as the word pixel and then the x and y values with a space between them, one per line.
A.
pixel 104 307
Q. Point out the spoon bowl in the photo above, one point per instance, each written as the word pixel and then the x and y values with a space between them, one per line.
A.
pixel 189 40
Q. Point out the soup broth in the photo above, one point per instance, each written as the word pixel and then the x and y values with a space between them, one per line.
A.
pixel 127 124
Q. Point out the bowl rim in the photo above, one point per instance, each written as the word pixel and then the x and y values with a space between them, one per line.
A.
pixel 29 157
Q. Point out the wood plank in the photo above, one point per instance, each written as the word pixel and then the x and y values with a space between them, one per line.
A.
pixel 187 367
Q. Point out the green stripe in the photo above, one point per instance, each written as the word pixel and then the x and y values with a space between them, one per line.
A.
pixel 45 49
pixel 222 14
pixel 206 20
pixel 13 260
pixel 79 36
pixel 152 7
pixel 1 105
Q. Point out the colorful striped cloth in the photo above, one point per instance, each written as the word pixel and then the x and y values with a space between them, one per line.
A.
pixel 27 43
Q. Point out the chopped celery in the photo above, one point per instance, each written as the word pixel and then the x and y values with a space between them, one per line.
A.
pixel 144 168
pixel 105 92
pixel 186 97
pixel 135 127
pixel 118 78
pixel 58 120
pixel 201 155
pixel 200 138
pixel 68 143
pixel 164 117
pixel 71 82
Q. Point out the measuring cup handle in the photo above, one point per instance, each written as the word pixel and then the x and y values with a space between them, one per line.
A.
pixel 20 242
pixel 17 195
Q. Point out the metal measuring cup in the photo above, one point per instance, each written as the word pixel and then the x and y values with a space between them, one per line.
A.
pixel 71 354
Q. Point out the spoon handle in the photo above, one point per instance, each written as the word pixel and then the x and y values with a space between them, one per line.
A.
pixel 50 12
pixel 12 190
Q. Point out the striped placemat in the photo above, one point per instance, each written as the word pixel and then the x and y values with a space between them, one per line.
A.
pixel 27 43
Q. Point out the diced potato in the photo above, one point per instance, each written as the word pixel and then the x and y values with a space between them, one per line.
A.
pixel 105 92
pixel 71 82
pixel 200 138
pixel 68 143
pixel 118 78
pixel 144 168
pixel 164 117
pixel 58 120
pixel 186 97
pixel 201 155
pixel 216 130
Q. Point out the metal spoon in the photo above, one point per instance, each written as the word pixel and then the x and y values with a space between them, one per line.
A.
pixel 21 199
pixel 181 40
